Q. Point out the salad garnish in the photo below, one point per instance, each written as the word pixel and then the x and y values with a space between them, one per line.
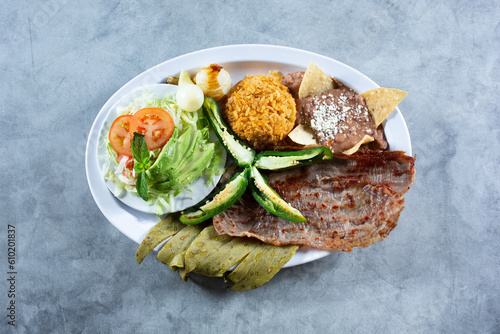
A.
pixel 148 129
pixel 142 162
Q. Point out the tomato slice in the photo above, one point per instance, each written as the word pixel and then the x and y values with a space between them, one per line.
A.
pixel 119 135
pixel 155 124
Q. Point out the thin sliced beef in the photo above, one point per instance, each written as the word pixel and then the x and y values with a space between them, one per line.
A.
pixel 349 201
pixel 392 169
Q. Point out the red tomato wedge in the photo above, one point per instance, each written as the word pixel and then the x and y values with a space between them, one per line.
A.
pixel 119 135
pixel 155 124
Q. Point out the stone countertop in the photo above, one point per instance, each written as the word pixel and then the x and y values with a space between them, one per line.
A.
pixel 75 273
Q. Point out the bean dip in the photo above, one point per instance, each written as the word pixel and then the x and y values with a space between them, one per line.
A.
pixel 338 117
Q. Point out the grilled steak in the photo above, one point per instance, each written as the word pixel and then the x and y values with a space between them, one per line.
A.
pixel 349 201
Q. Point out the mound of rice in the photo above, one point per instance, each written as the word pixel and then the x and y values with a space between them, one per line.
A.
pixel 260 110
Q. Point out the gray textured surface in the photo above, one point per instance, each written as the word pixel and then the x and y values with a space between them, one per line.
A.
pixel 437 272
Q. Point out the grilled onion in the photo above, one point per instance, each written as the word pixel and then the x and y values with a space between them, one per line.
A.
pixel 214 80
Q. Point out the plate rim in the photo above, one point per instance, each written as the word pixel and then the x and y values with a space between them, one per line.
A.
pixel 227 53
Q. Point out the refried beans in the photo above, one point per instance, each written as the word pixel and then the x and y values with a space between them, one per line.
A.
pixel 339 116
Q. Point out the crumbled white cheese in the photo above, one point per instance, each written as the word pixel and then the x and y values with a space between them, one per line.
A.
pixel 329 119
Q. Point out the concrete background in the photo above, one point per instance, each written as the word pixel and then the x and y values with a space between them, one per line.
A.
pixel 438 272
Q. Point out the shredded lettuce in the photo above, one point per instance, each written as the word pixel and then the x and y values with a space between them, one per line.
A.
pixel 213 167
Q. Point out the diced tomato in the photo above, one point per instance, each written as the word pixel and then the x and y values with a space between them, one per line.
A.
pixel 119 135
pixel 155 124
pixel 128 173
pixel 130 161
pixel 129 166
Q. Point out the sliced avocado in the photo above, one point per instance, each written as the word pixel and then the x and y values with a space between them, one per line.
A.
pixel 155 172
pixel 185 150
pixel 243 154
pixel 217 202
pixel 185 146
pixel 191 170
pixel 270 200
pixel 200 161
pixel 194 146
pixel 273 160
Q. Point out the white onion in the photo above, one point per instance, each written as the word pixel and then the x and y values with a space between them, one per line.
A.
pixel 189 96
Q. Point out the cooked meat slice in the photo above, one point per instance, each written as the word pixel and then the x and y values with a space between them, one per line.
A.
pixel 392 169
pixel 352 215
pixel 348 202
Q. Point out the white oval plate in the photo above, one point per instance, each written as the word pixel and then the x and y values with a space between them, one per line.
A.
pixel 181 201
pixel 239 60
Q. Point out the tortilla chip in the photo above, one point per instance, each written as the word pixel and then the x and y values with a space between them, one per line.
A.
pixel 314 82
pixel 366 139
pixel 303 135
pixel 382 101
pixel 166 228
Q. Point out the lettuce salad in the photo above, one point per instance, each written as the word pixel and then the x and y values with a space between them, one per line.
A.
pixel 116 171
